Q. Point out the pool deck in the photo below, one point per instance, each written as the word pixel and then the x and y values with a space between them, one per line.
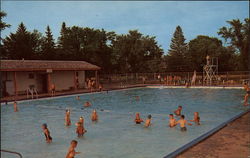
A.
pixel 232 141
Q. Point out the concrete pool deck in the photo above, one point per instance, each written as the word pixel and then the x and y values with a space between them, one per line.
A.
pixel 232 141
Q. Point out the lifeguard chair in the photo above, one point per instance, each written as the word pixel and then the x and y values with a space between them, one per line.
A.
pixel 210 71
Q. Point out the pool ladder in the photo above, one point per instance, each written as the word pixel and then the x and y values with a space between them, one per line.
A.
pixel 12 152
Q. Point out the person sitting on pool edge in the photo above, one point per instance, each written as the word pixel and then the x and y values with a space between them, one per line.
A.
pixel 46 133
pixel 94 116
pixel 178 111
pixel 172 121
pixel 15 106
pixel 183 123
pixel 71 152
pixel 138 119
pixel 67 118
pixel 80 129
pixel 148 121
pixel 196 118
pixel 87 104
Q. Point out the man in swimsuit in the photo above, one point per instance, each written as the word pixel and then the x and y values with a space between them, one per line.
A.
pixel 178 111
pixel 183 123
pixel 196 118
pixel 46 133
pixel 172 121
pixel 87 104
pixel 94 116
pixel 138 120
pixel 15 106
pixel 71 152
pixel 148 121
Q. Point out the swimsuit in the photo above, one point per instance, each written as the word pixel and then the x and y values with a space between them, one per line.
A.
pixel 138 122
pixel 248 92
pixel 183 129
pixel 48 138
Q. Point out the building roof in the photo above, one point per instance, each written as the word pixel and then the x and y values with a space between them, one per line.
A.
pixel 45 65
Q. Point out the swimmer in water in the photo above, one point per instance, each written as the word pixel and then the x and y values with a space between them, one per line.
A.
pixel 172 121
pixel 178 111
pixel 15 106
pixel 80 129
pixel 138 119
pixel 46 133
pixel 94 116
pixel 183 123
pixel 78 98
pixel 148 121
pixel 196 118
pixel 67 118
pixel 71 152
pixel 87 104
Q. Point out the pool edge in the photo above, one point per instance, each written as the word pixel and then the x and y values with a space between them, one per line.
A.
pixel 204 136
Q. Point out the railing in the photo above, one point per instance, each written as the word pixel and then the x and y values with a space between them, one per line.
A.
pixel 12 152
pixel 176 78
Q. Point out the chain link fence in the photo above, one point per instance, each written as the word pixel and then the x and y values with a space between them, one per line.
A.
pixel 233 78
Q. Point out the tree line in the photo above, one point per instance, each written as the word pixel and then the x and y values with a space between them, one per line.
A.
pixel 131 52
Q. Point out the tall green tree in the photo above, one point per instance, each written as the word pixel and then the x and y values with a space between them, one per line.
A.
pixel 22 44
pixel 176 60
pixel 202 46
pixel 48 46
pixel 3 24
pixel 238 36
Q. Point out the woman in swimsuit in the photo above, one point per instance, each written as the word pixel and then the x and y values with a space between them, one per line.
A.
pixel 67 118
pixel 46 133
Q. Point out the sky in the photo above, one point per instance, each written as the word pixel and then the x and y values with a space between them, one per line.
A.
pixel 154 18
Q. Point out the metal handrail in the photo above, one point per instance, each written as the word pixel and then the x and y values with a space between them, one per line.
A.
pixel 12 152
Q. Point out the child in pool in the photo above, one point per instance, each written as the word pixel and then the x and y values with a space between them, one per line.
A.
pixel 87 104
pixel 138 119
pixel 46 133
pixel 172 121
pixel 15 106
pixel 94 116
pixel 80 129
pixel 148 121
pixel 178 111
pixel 67 118
pixel 196 118
pixel 71 152
pixel 183 123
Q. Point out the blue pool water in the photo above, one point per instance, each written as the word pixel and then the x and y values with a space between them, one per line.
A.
pixel 115 135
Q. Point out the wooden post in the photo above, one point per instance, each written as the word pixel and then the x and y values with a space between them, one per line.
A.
pixel 48 82
pixel 15 83
pixel 96 79
pixel 75 86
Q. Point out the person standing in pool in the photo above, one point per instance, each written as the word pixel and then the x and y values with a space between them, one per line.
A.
pixel 78 98
pixel 138 119
pixel 148 121
pixel 94 116
pixel 178 111
pixel 183 123
pixel 71 152
pixel 172 121
pixel 46 133
pixel 196 118
pixel 246 96
pixel 81 120
pixel 80 129
pixel 15 106
pixel 67 118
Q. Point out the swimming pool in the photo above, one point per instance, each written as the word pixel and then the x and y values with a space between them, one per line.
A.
pixel 116 135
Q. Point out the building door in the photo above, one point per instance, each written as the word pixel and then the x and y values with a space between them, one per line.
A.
pixel 42 83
